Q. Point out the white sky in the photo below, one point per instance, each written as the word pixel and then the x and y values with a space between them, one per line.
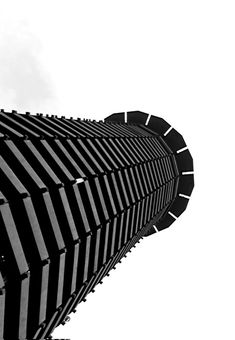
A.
pixel 97 57
pixel 70 56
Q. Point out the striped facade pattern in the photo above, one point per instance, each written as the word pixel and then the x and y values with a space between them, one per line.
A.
pixel 75 197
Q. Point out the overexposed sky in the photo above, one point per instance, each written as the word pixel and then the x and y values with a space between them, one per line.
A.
pixel 70 56
pixel 87 57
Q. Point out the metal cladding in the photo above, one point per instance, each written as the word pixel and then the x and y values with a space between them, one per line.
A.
pixel 75 197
